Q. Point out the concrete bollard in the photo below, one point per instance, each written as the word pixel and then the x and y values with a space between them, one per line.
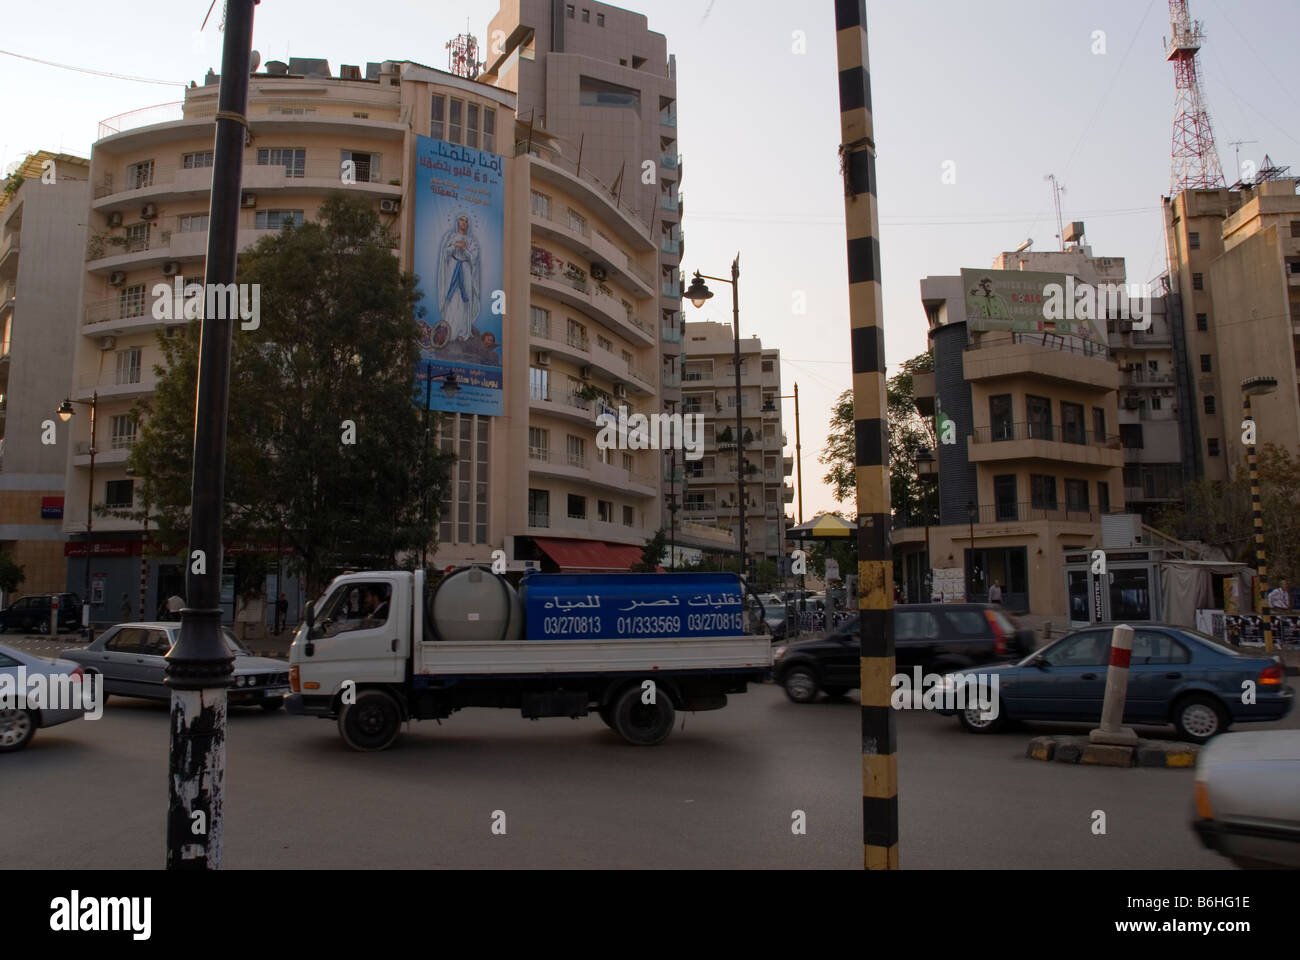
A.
pixel 54 618
pixel 1112 709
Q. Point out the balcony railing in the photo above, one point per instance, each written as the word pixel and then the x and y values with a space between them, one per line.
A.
pixel 1052 341
pixel 670 161
pixel 539 518
pixel 672 289
pixel 1139 377
pixel 1008 512
pixel 668 119
pixel 672 380
pixel 672 334
pixel 1043 431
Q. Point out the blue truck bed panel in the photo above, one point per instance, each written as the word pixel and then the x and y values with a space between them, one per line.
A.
pixel 612 606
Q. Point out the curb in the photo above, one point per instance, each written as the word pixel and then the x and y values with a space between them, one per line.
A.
pixel 1147 753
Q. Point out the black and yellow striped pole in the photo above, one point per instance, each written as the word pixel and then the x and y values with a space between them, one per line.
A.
pixel 1257 385
pixel 875 565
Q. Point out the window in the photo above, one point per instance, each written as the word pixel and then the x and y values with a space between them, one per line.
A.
pixel 605 511
pixel 194 223
pixel 123 430
pixel 539 508
pixel 1042 492
pixel 541 205
pixel 1098 425
pixel 453 120
pixel 1103 496
pixel 577 450
pixel 577 222
pixel 137 238
pixel 489 129
pixel 139 175
pixel 436 117
pixel 1295 228
pixel 605 343
pixel 1202 322
pixel 293 159
pixel 1039 410
pixel 600 19
pixel 1089 649
pixel 586 15
pixel 1130 435
pixel 1150 647
pixel 576 335
pixel 471 125
pixel 628 462
pixel 627 357
pixel 366 165
pixel 568 10
pixel 539 442
pixel 1193 241
pixel 629 516
pixel 1212 446
pixel 1076 495
pixel 539 384
pixel 355 606
pixel 119 493
pixel 1072 428
pixel 130 301
pixel 1000 417
pixel 1209 404
pixel 539 322
pixel 129 640
pixel 1156 403
pixel 593 92
pixel 1004 496
pixel 277 219
pixel 1206 366
pixel 195 161
pixel 577 507
pixel 128 365
pixel 767 366
pixel 1198 281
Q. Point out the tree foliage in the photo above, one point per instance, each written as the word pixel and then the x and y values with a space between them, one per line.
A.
pixel 336 346
pixel 12 573
pixel 652 553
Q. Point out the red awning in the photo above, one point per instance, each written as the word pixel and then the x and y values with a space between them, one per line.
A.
pixel 590 556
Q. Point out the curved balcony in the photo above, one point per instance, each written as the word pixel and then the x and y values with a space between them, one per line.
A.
pixel 596 247
pixel 1045 441
pixel 592 298
pixel 590 470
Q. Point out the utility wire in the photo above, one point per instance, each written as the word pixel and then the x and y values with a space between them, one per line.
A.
pixel 96 73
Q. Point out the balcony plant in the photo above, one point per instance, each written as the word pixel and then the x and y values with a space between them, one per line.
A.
pixel 587 392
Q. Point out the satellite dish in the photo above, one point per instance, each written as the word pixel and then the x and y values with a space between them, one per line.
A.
pixel 257 61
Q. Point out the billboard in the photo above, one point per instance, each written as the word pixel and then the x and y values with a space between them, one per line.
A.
pixel 1025 301
pixel 457 256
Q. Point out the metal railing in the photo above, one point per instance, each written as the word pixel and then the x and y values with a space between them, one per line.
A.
pixel 1006 512
pixel 539 518
pixel 1078 435
pixel 1139 377
pixel 1051 341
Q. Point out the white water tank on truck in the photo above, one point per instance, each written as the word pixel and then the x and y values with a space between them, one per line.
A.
pixel 472 603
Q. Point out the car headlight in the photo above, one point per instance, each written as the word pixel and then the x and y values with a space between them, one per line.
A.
pixel 239 681
pixel 778 653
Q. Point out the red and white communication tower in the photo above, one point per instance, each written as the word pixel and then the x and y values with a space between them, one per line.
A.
pixel 462 56
pixel 1195 161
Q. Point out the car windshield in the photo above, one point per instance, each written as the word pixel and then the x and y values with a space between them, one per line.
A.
pixel 235 646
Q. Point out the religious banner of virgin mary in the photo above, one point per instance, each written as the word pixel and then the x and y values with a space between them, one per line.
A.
pixel 459 235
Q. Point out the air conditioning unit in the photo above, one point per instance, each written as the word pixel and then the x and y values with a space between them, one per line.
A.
pixel 115 219
pixel 1131 402
pixel 107 343
pixel 148 211
pixel 248 200
pixel 597 272
pixel 171 268
pixel 620 390
pixel 543 358
pixel 390 206
pixel 584 373
pixel 117 278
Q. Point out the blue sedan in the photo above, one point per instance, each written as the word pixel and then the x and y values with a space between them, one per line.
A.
pixel 1176 675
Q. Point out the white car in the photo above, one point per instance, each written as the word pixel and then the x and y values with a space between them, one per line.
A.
pixel 19 721
pixel 1248 797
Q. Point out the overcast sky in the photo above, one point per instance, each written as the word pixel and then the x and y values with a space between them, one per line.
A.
pixel 1007 90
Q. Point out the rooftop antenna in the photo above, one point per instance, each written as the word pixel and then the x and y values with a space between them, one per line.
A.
pixel 1237 153
pixel 1057 190
pixel 1194 159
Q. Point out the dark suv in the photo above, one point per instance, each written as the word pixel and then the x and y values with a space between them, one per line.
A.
pixel 937 637
pixel 32 614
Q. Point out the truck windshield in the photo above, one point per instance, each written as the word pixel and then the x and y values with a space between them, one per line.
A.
pixel 358 605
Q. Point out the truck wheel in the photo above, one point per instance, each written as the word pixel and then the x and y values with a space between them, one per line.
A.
pixel 644 724
pixel 800 685
pixel 372 723
pixel 43 626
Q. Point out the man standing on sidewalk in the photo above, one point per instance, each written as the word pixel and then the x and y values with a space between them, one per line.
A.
pixel 995 593
pixel 281 610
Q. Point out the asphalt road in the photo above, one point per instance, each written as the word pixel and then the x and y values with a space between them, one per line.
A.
pixel 720 793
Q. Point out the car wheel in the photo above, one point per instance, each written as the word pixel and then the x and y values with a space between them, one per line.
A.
pixel 372 723
pixel 973 720
pixel 1199 717
pixel 43 626
pixel 17 727
pixel 800 685
pixel 835 691
pixel 270 706
pixel 643 724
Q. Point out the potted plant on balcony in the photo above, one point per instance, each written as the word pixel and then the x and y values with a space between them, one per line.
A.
pixel 749 435
pixel 587 392
pixel 576 275
pixel 724 436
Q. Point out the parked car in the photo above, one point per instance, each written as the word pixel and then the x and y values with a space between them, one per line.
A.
pixel 1176 675
pixel 775 618
pixel 1248 798
pixel 938 637
pixel 130 656
pixel 32 614
pixel 19 723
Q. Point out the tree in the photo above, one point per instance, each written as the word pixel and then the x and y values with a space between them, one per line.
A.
pixel 12 573
pixel 325 449
pixel 908 433
pixel 652 554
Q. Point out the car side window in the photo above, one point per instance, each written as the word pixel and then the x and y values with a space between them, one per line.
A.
pixel 156 644
pixel 1152 646
pixel 968 623
pixel 8 661
pixel 23 604
pixel 915 625
pixel 1082 650
pixel 125 641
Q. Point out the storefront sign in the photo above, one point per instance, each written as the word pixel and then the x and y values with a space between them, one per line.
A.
pixel 51 508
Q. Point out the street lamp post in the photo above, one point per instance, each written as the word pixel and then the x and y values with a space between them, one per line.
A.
pixel 1255 386
pixel 698 293
pixel 926 473
pixel 66 412
pixel 450 387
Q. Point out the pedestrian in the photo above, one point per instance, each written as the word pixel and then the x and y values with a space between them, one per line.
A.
pixel 174 607
pixel 126 608
pixel 995 593
pixel 1279 598
pixel 281 611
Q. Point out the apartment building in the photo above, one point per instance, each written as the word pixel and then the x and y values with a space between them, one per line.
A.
pixel 582 340
pixel 42 231
pixel 1234 266
pixel 711 490
pixel 602 87
pixel 1029 457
